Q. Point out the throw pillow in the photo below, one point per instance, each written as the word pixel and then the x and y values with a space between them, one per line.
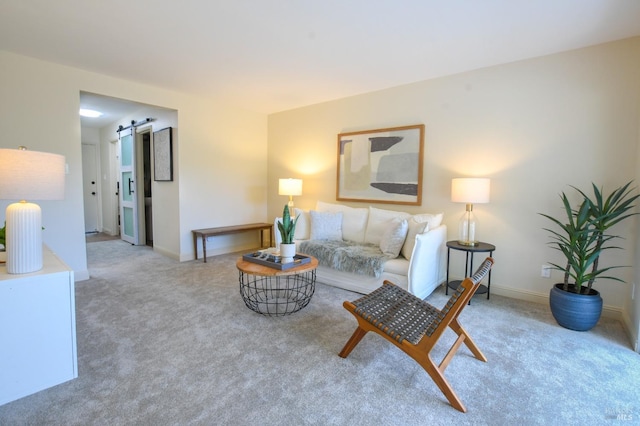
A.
pixel 393 237
pixel 354 220
pixel 434 219
pixel 302 225
pixel 325 225
pixel 378 221
pixel 415 228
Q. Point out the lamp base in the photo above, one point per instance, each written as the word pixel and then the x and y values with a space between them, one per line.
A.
pixel 467 228
pixel 23 238
pixel 292 210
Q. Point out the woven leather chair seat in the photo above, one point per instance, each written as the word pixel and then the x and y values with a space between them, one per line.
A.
pixel 398 313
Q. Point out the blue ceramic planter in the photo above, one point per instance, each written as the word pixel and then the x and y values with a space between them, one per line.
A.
pixel 579 312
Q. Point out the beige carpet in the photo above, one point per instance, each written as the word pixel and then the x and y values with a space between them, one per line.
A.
pixel 168 343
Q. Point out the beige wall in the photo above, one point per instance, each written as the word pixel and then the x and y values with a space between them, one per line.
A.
pixel 632 311
pixel 220 155
pixel 534 127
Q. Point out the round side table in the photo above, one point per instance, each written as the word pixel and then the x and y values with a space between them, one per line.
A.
pixel 468 267
pixel 276 292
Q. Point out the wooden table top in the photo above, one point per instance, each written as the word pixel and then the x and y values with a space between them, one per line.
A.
pixel 265 271
pixel 220 230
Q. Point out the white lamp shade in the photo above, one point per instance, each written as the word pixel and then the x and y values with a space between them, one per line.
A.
pixel 290 187
pixel 470 190
pixel 31 175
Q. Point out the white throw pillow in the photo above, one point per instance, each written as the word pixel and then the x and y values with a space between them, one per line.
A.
pixel 325 225
pixel 354 220
pixel 434 219
pixel 302 225
pixel 414 228
pixel 378 221
pixel 393 238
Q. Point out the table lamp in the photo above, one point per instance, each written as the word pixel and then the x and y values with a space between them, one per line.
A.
pixel 290 187
pixel 28 175
pixel 469 191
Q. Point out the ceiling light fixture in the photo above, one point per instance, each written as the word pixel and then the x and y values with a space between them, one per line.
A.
pixel 90 113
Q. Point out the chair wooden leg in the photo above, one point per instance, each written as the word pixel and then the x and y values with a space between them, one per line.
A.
pixel 438 378
pixel 353 342
pixel 452 351
pixel 468 341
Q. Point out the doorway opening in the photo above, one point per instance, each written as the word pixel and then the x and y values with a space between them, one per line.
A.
pixel 104 133
pixel 147 209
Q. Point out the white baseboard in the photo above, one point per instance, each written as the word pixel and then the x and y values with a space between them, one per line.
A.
pixel 628 326
pixel 108 231
pixel 607 311
pixel 167 253
pixel 530 296
pixel 217 251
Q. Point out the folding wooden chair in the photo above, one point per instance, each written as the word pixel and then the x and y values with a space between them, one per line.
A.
pixel 415 326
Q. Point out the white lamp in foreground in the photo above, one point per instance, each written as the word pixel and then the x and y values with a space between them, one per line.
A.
pixel 28 175
pixel 290 187
pixel 469 191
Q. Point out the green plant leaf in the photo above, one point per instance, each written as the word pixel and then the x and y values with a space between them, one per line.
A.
pixel 581 235
pixel 287 226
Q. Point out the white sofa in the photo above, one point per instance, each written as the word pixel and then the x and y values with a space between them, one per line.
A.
pixel 413 246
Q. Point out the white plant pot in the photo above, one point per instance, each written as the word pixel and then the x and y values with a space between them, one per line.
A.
pixel 287 251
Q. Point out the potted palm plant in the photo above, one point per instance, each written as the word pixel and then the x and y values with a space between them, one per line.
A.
pixel 287 228
pixel 582 237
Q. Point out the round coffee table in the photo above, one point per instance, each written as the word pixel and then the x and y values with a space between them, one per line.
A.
pixel 276 292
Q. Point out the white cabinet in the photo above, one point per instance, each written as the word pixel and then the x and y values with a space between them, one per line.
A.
pixel 37 329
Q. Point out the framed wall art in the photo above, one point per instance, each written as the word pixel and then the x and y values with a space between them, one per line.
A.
pixel 162 155
pixel 381 166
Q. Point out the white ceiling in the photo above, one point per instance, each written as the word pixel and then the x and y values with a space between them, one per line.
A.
pixel 112 109
pixel 274 55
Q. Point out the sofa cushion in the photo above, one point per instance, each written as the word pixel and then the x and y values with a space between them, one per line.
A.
pixel 419 224
pixel 325 225
pixel 414 228
pixel 303 225
pixel 398 266
pixel 393 238
pixel 434 219
pixel 354 220
pixel 365 259
pixel 377 223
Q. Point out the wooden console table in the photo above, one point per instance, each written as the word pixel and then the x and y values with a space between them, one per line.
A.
pixel 224 230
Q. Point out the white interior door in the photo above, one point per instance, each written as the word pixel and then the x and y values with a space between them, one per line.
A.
pixel 90 187
pixel 128 191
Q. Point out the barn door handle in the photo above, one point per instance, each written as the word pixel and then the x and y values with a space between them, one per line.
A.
pixel 131 191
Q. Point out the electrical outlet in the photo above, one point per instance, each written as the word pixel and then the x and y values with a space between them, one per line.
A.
pixel 545 271
pixel 633 291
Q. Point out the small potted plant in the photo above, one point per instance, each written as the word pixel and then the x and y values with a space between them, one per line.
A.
pixel 582 237
pixel 287 228
pixel 3 236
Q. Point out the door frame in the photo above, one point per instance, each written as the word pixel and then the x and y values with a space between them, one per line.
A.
pixel 139 159
pixel 96 182
pixel 115 184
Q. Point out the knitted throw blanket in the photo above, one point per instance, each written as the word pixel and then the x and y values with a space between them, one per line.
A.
pixel 366 259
